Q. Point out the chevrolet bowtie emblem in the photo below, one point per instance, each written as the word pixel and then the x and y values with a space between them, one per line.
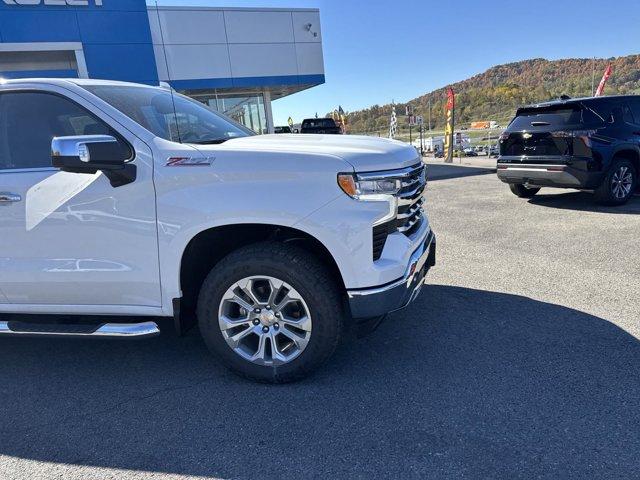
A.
pixel 526 136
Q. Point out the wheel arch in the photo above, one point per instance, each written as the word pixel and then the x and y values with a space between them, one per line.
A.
pixel 210 245
pixel 628 152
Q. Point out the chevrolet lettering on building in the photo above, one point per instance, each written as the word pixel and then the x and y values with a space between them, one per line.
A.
pixel 65 3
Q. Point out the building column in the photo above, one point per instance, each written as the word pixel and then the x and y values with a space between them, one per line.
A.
pixel 266 96
pixel 81 62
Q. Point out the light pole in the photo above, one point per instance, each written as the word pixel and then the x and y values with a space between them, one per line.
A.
pixel 409 114
pixel 593 76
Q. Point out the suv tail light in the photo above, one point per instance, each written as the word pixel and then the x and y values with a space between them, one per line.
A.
pixel 584 135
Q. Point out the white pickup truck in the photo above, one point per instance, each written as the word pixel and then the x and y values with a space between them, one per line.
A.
pixel 123 200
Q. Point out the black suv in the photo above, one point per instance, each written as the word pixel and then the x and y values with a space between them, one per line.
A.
pixel 584 143
pixel 321 126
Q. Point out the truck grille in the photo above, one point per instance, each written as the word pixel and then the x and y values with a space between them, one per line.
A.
pixel 411 201
pixel 410 212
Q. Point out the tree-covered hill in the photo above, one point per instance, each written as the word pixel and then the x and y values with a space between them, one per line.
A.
pixel 496 93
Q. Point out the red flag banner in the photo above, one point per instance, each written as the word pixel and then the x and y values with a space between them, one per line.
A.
pixel 603 82
pixel 448 132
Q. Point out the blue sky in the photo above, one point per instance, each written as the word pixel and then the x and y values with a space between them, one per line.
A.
pixel 379 50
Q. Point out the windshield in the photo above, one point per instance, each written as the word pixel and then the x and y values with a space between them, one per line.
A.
pixel 169 115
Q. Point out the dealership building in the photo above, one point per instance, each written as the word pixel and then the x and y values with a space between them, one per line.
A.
pixel 236 60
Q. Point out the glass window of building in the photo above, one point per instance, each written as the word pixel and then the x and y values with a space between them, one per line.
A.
pixel 247 109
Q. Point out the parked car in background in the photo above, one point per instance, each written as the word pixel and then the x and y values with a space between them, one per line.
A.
pixel 470 152
pixel 129 200
pixel 585 143
pixel 320 126
pixel 285 129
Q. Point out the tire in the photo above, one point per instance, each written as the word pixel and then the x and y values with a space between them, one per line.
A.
pixel 521 191
pixel 257 269
pixel 619 184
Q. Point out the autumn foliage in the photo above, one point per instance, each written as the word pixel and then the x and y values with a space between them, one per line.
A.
pixel 496 93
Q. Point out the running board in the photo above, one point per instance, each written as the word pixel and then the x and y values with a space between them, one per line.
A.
pixel 106 330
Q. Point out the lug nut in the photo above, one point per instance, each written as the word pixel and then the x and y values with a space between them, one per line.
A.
pixel 278 314
pixel 268 307
pixel 276 326
pixel 256 321
pixel 257 310
pixel 265 329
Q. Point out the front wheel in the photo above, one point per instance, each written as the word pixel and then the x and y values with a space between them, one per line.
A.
pixel 618 185
pixel 270 312
pixel 522 191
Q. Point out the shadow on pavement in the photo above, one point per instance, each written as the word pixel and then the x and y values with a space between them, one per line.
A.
pixel 465 383
pixel 584 202
pixel 448 171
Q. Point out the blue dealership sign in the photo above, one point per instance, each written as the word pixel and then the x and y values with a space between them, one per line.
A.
pixel 115 34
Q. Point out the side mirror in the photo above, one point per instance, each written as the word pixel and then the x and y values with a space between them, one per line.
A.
pixel 93 153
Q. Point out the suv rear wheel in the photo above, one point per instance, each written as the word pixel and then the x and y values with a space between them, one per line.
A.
pixel 619 183
pixel 522 191
pixel 270 312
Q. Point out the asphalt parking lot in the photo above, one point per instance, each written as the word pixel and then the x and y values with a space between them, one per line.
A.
pixel 520 359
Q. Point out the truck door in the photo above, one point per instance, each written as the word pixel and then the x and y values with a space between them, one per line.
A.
pixel 67 238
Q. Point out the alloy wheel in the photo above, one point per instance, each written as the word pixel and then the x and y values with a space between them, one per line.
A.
pixel 622 182
pixel 264 320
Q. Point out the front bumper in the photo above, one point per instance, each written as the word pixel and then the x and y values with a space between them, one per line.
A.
pixel 378 301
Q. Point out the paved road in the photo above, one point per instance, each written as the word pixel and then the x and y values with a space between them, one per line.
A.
pixel 520 360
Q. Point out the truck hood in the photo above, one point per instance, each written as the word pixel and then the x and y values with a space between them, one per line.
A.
pixel 363 153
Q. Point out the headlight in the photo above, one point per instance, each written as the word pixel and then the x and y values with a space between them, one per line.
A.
pixel 362 189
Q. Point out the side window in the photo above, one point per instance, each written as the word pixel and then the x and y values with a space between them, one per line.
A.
pixel 30 120
pixel 634 103
pixel 627 116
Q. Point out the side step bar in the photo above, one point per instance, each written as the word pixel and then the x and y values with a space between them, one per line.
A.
pixel 106 330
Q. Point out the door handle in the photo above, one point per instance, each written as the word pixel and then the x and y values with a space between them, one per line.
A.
pixel 6 198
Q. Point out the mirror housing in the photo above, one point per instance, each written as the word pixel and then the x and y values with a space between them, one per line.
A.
pixel 93 153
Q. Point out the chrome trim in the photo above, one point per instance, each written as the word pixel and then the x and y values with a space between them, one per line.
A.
pixel 375 291
pixel 416 206
pixel 70 146
pixel 410 225
pixel 111 330
pixel 6 198
pixel 527 168
pixel 406 201
pixel 143 329
pixel 385 174
pixel 412 193
pixel 416 262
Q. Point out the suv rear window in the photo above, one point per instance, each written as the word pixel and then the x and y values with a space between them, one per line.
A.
pixel 320 123
pixel 553 117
